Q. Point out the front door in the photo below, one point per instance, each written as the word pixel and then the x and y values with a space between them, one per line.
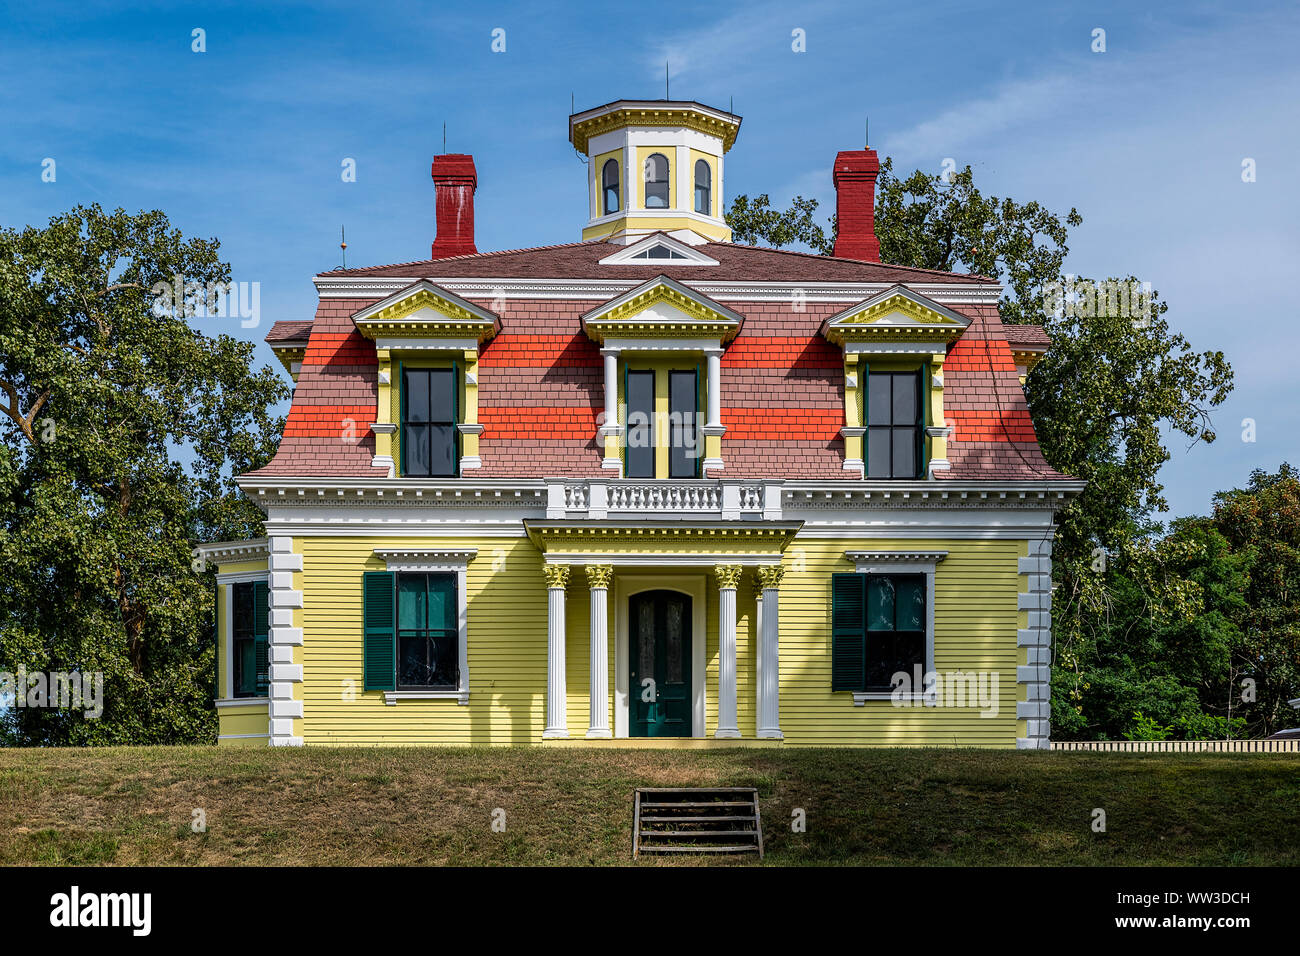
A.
pixel 659 656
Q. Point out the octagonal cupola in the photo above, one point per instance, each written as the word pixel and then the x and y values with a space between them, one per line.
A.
pixel 654 166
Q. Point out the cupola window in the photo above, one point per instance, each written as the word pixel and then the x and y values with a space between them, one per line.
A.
pixel 656 181
pixel 703 187
pixel 609 186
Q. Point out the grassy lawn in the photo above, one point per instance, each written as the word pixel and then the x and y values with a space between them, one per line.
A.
pixel 432 806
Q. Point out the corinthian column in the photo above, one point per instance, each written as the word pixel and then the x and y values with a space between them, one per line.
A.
pixel 769 652
pixel 728 577
pixel 557 577
pixel 598 577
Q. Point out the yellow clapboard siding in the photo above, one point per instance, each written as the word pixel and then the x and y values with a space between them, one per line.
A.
pixel 976 617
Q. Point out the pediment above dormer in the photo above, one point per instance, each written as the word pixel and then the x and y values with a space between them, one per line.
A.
pixel 426 312
pixel 895 319
pixel 662 309
pixel 656 249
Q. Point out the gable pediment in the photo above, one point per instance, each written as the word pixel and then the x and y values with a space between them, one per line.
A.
pixel 656 249
pixel 426 310
pixel 895 315
pixel 662 308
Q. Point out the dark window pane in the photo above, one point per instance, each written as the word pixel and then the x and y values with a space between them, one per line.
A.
pixel 609 182
pixel 656 181
pixel 906 409
pixel 878 453
pixel 703 178
pixel 645 644
pixel 242 601
pixel 442 444
pixel 640 424
pixel 673 610
pixel 880 604
pixel 245 668
pixel 683 450
pixel 442 602
pixel 880 661
pixel 412 602
pixel 415 450
pixel 911 603
pixel 904 453
pixel 909 651
pixel 417 395
pixel 442 398
pixel 879 399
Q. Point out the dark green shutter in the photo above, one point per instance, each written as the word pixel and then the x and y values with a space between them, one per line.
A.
pixel 379 642
pixel 848 632
pixel 261 631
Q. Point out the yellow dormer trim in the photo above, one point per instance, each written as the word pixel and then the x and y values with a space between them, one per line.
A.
pixel 425 310
pixel 625 316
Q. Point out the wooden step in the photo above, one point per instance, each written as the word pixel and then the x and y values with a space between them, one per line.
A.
pixel 696 820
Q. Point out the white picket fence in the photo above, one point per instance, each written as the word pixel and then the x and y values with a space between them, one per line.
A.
pixel 1183 746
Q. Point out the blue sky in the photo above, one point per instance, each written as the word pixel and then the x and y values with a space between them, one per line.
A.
pixel 245 141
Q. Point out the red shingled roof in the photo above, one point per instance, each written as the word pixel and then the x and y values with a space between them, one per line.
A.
pixel 1024 336
pixel 581 260
pixel 292 330
pixel 540 378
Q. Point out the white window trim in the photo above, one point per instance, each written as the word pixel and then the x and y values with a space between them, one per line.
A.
pixel 228 632
pixel 903 562
pixel 438 561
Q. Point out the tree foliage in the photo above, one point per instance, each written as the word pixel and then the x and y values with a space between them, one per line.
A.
pixel 122 431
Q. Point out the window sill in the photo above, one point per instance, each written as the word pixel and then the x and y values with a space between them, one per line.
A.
pixel 860 698
pixel 391 697
pixel 241 701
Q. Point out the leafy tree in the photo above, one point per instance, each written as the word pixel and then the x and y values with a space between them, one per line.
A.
pixel 1261 523
pixel 122 429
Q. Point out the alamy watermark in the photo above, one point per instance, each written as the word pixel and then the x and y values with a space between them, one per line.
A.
pixel 946 689
pixel 59 690
pixel 1086 298
pixel 209 300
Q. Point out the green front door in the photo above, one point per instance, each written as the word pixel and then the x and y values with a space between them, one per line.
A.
pixel 659 656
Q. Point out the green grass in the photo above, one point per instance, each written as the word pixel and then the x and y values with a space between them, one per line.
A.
pixel 329 806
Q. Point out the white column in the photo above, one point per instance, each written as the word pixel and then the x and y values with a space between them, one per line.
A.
pixel 610 427
pixel 557 577
pixel 769 653
pixel 714 388
pixel 728 577
pixel 713 406
pixel 598 577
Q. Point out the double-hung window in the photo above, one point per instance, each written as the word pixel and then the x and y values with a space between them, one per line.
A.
pixel 878 630
pixel 894 432
pixel 248 639
pixel 429 434
pixel 414 625
pixel 427 652
pixel 653 424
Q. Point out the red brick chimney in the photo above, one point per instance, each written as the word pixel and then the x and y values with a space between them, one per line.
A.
pixel 855 205
pixel 455 180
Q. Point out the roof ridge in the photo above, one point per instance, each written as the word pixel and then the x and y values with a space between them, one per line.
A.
pixel 865 262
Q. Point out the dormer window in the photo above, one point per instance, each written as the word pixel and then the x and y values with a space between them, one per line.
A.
pixel 703 188
pixel 894 423
pixel 428 422
pixel 656 181
pixel 609 187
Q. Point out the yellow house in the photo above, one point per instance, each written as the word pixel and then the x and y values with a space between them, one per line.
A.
pixel 649 487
